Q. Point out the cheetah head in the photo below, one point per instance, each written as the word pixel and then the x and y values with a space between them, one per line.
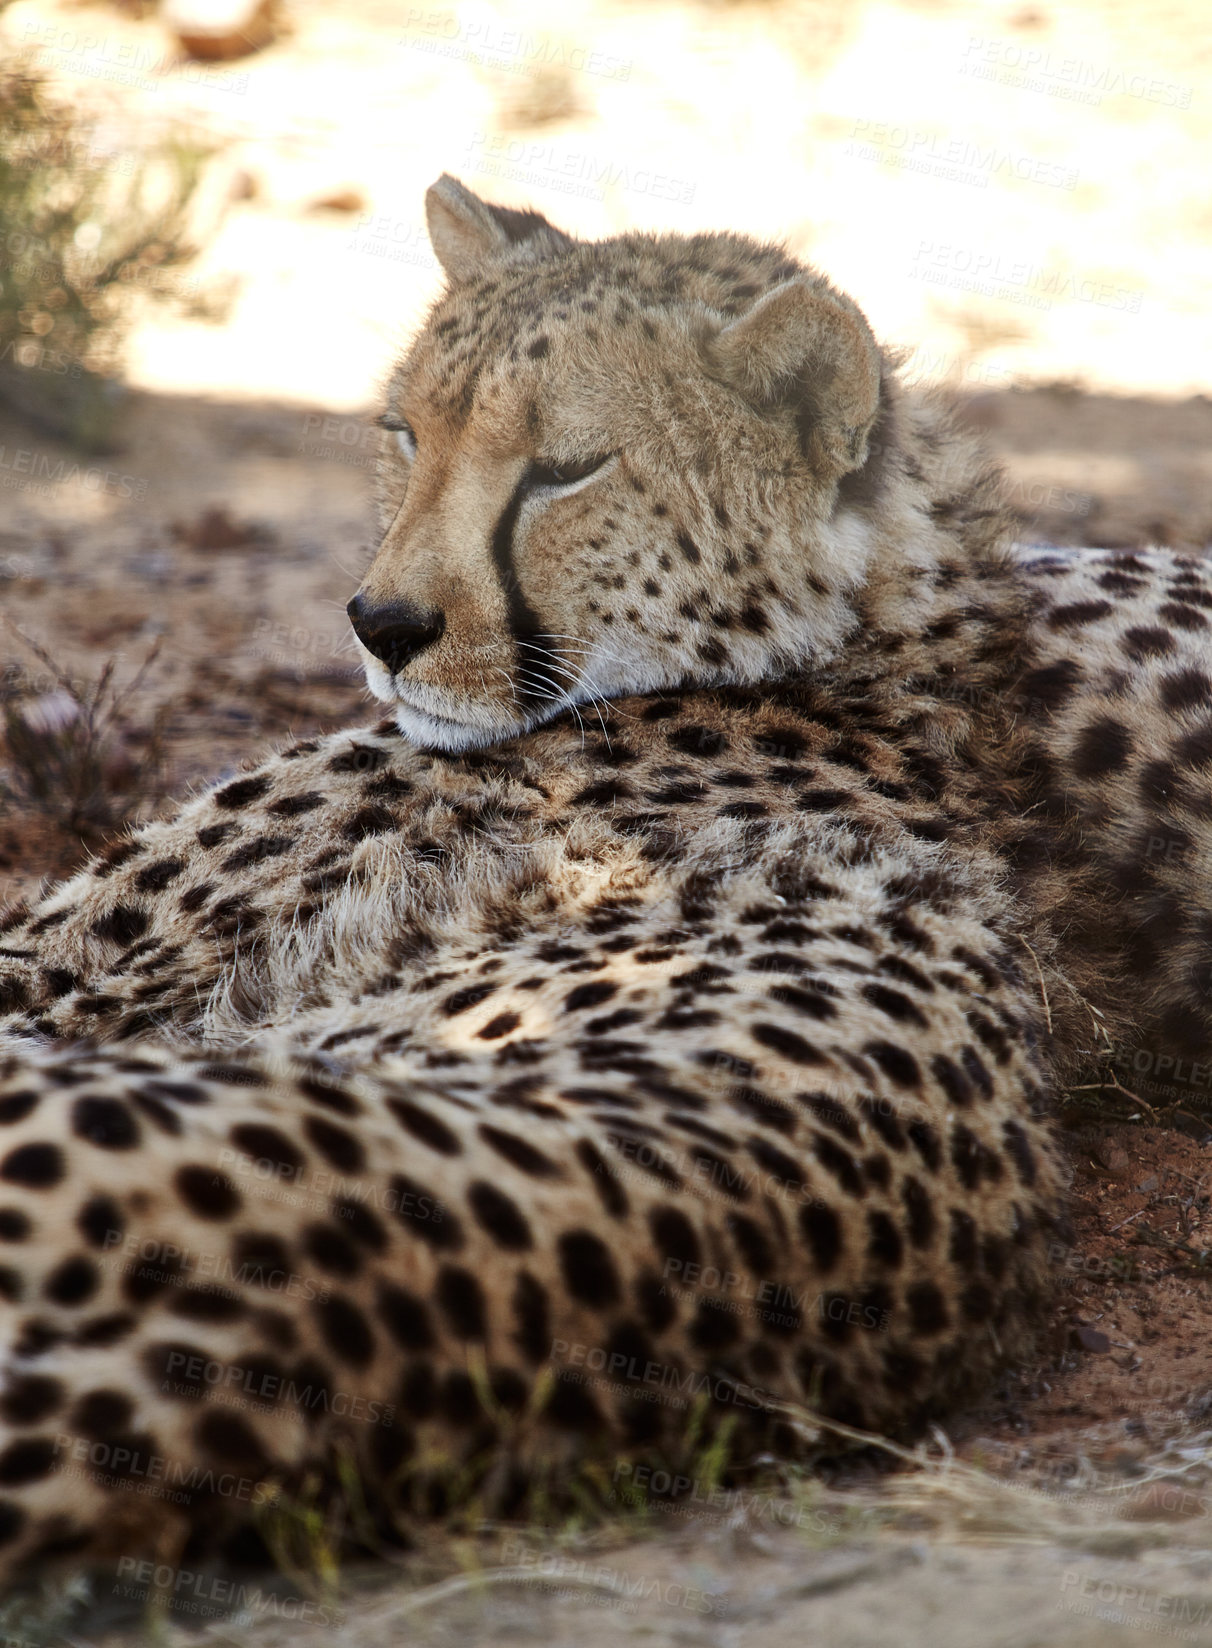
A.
pixel 610 468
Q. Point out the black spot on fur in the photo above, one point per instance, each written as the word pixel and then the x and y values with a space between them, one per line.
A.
pixel 201 1303
pixel 1102 747
pixel 29 1398
pixel 72 1282
pixel 896 1063
pixel 228 1436
pixel 588 1269
pixel 37 1166
pixel 589 995
pixel 1052 684
pixel 461 1000
pixel 1078 614
pixel 425 1126
pixel 123 925
pixel 927 1310
pixel 15 1107
pixel 405 1316
pixel 1019 1149
pixel 919 1212
pixel 787 1043
pixel 104 1122
pixel 526 1157
pixel 823 1232
pixel 207 1192
pixel 424 1216
pixel 331 1249
pixel 156 877
pixel 499 1215
pixel 240 793
pixel 294 806
pixel 1186 689
pixel 461 1300
pixel 895 1004
pixel 602 1176
pixel 28 1461
pixel 100 1413
pixel 674 1235
pixel 368 821
pixel 345 1330
pixel 339 1147
pixel 532 1314
pixel 269 1145
pixel 884 1243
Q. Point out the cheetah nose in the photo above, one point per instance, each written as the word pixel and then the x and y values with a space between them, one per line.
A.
pixel 394 634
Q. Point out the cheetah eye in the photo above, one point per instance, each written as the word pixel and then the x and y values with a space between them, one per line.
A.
pixel 565 474
pixel 406 440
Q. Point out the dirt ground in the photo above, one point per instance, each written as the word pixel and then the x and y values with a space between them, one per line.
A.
pixel 229 524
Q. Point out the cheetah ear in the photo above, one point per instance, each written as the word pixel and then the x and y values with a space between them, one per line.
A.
pixel 805 346
pixel 466 231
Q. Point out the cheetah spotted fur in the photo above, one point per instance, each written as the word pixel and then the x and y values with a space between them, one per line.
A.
pixel 663 1005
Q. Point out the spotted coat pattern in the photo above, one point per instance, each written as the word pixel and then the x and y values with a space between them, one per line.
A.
pixel 1120 701
pixel 500 1104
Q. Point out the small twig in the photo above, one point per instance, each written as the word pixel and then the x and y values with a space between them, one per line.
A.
pixel 41 654
pixel 1043 988
pixel 1126 1221
pixel 460 1583
pixel 136 680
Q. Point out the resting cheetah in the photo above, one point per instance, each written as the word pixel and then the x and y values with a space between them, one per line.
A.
pixel 660 1007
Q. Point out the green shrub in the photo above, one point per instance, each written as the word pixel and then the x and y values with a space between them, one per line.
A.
pixel 81 230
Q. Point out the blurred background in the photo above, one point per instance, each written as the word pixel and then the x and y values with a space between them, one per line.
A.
pixel 212 244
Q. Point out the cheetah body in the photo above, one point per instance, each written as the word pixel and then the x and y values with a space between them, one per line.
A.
pixel 515 1087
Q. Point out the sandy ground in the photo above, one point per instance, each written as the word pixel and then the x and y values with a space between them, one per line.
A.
pixel 1019 194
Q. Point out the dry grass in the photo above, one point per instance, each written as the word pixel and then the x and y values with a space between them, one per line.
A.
pixel 72 754
pixel 579 1521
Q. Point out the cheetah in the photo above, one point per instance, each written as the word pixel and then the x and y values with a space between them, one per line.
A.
pixel 653 1022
